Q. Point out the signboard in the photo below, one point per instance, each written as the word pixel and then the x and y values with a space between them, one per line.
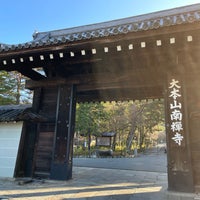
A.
pixel 103 141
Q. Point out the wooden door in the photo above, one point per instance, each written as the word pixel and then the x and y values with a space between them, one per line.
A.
pixel 43 151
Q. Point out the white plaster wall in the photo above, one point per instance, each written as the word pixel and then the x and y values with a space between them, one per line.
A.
pixel 10 134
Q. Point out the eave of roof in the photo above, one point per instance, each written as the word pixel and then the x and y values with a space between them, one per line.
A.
pixel 176 16
pixel 11 113
pixel 108 134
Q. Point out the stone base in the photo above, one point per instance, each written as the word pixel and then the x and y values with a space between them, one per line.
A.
pixel 182 196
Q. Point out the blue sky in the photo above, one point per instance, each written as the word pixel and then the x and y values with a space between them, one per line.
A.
pixel 20 18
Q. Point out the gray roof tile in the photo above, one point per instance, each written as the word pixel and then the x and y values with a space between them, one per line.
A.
pixel 176 16
pixel 10 113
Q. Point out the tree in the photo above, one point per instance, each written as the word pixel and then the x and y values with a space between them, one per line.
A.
pixel 6 88
pixel 129 120
pixel 12 89
pixel 136 111
pixel 89 116
pixel 89 119
pixel 144 117
pixel 117 121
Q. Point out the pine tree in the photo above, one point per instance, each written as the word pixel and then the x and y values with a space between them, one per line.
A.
pixel 6 89
pixel 12 89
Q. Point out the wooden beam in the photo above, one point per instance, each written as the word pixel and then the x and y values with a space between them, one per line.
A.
pixel 121 94
pixel 48 82
pixel 84 87
pixel 31 74
pixel 130 78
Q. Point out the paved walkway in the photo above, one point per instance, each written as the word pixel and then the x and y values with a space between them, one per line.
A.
pixel 91 183
pixel 156 162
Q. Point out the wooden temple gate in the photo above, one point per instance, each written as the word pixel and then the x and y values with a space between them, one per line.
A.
pixel 145 57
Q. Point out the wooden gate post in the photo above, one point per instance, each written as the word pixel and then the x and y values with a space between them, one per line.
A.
pixel 193 99
pixel 61 166
pixel 180 173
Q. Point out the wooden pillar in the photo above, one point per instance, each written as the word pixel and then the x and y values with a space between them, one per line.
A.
pixel 180 173
pixel 24 164
pixel 61 166
pixel 193 99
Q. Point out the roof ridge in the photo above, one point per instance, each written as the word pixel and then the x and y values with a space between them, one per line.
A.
pixel 132 19
pixel 155 20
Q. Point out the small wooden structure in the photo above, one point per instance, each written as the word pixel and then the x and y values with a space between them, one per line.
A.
pixel 149 56
pixel 105 139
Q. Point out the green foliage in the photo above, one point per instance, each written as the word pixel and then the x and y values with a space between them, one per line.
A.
pixel 90 118
pixel 153 115
pixel 12 89
pixel 81 151
pixel 135 123
pixel 144 117
pixel 6 89
pixel 118 116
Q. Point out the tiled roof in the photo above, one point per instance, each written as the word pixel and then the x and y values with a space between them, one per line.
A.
pixel 108 134
pixel 177 16
pixel 11 113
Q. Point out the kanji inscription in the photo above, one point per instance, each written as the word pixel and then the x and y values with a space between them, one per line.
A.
pixel 176 115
